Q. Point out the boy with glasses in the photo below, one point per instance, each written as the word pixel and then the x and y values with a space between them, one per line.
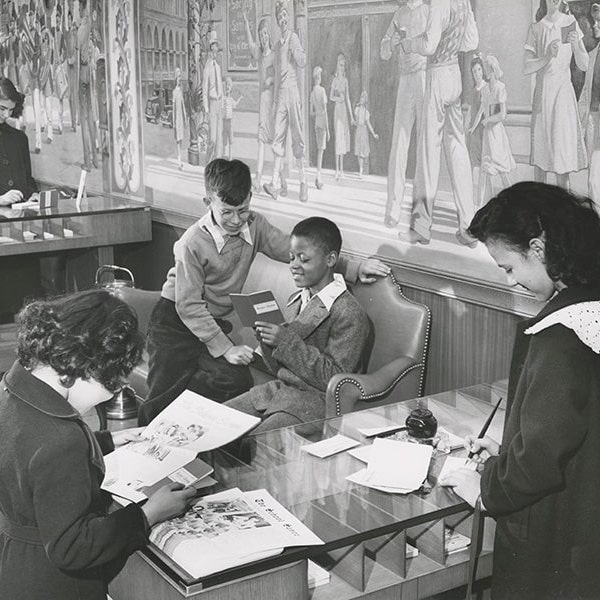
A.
pixel 187 338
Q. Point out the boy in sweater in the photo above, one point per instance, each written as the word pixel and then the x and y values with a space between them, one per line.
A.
pixel 188 344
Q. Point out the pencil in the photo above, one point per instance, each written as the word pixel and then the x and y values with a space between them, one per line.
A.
pixel 486 426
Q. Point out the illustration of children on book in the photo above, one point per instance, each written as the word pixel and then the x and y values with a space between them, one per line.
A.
pixel 362 119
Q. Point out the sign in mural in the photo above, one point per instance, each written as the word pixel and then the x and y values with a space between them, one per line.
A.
pixel 239 53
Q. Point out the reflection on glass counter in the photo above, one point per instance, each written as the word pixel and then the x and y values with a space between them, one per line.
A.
pixel 95 221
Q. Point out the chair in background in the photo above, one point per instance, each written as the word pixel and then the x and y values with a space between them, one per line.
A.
pixel 143 302
pixel 395 359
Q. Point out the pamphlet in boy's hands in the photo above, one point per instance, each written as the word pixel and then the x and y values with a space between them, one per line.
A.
pixel 258 306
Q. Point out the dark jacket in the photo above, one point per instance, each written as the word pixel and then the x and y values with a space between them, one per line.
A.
pixel 544 488
pixel 15 164
pixel 56 540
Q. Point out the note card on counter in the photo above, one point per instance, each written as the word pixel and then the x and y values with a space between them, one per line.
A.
pixel 330 446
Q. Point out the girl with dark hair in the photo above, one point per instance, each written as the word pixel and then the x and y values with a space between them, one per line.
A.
pixel 16 181
pixel 57 540
pixel 542 485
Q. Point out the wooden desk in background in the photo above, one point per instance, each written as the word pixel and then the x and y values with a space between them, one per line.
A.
pixel 364 530
pixel 94 228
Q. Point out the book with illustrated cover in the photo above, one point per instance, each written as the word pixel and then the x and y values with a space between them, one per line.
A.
pixel 257 306
pixel 229 529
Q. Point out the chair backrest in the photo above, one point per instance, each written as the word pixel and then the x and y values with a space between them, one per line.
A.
pixel 142 301
pixel 400 326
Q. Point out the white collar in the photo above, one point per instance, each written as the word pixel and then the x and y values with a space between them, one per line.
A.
pixel 583 318
pixel 412 4
pixel 560 21
pixel 328 295
pixel 218 234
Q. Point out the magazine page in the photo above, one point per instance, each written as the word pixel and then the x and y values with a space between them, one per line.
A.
pixel 139 464
pixel 228 529
pixel 196 423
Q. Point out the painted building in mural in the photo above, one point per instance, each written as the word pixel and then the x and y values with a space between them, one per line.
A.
pixel 162 43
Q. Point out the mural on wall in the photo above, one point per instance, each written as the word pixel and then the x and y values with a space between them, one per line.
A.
pixel 53 50
pixel 397 118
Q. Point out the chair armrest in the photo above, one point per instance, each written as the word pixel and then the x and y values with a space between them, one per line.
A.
pixel 346 390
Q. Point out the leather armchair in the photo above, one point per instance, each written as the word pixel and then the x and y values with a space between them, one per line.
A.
pixel 142 301
pixel 394 361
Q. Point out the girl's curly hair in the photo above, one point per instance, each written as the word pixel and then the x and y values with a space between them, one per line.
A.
pixel 88 335
pixel 568 224
pixel 8 91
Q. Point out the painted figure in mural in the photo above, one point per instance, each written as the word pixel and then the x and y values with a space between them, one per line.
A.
pixel 496 155
pixel 228 105
pixel 589 111
pixel 290 59
pixel 474 125
pixel 318 110
pixel 409 21
pixel 46 79
pixel 179 115
pixel 339 94
pixel 31 47
pixel 362 118
pixel 557 144
pixel 263 54
pixel 61 85
pixel 72 68
pixel 212 99
pixel 450 29
pixel 86 111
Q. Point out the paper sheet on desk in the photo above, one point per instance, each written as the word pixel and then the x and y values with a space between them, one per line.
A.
pixel 455 462
pixel 361 478
pixel 330 446
pixel 396 464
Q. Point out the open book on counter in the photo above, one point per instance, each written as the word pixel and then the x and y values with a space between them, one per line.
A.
pixel 169 444
pixel 229 529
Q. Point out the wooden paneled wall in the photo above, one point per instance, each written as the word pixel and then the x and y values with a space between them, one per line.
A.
pixel 469 343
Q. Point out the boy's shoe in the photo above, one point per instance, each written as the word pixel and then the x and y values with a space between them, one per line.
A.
pixel 303 192
pixel 271 190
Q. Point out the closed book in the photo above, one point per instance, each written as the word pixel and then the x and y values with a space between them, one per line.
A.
pixel 258 306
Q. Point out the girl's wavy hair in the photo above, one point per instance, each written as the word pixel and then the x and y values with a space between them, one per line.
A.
pixel 8 91
pixel 88 335
pixel 568 224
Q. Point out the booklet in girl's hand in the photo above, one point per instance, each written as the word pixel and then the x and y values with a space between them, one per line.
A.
pixel 258 306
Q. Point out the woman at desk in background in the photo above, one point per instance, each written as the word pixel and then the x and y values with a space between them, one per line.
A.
pixel 542 486
pixel 16 182
pixel 57 540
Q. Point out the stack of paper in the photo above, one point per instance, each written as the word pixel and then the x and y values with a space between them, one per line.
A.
pixel 229 529
pixel 394 466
